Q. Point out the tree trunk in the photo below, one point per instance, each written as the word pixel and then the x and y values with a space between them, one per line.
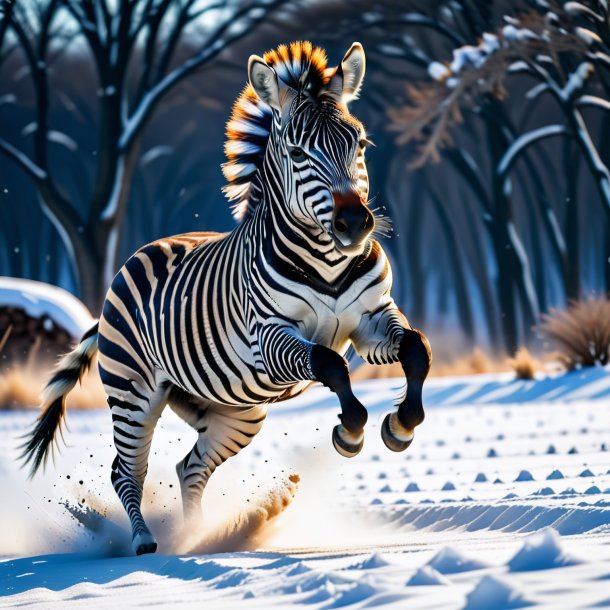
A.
pixel 572 225
pixel 600 174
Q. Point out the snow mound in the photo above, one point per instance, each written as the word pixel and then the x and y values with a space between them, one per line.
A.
pixel 449 561
pixel 427 576
pixel 494 592
pixel 298 569
pixel 556 474
pixel 544 491
pixel 353 595
pixel 594 489
pixel 524 475
pixel 586 473
pixel 38 299
pixel 373 561
pixel 322 585
pixel 480 478
pixel 540 551
pixel 448 486
pixel 412 487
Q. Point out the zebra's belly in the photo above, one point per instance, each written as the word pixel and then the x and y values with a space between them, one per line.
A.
pixel 243 381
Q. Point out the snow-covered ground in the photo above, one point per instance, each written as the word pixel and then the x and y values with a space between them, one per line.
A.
pixel 502 501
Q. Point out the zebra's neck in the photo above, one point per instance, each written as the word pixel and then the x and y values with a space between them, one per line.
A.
pixel 297 251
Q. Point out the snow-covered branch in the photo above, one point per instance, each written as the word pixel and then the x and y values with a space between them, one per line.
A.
pixel 523 142
pixel 218 42
pixel 23 161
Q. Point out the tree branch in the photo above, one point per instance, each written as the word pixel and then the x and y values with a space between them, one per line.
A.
pixel 213 47
pixel 23 161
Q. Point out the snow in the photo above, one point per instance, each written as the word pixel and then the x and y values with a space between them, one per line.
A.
pixel 61 138
pixel 495 592
pixel 438 71
pixel 511 33
pixel 450 561
pixel 540 551
pixel 340 542
pixel 426 576
pixel 39 299
pixel 576 80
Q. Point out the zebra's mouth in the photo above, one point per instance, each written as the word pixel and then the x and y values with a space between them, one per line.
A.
pixel 346 246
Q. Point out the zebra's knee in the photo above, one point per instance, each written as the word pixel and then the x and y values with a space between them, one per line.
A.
pixel 415 354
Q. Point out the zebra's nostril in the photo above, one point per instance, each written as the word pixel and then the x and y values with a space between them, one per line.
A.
pixel 341 225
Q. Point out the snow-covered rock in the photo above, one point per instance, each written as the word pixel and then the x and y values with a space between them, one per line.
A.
pixel 38 299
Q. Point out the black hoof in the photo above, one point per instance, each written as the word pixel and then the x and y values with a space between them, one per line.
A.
pixel 143 543
pixel 345 448
pixel 393 442
pixel 147 547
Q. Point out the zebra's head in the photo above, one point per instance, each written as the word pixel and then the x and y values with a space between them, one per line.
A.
pixel 315 147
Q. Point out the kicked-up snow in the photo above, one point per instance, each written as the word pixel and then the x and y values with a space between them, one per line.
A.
pixel 502 501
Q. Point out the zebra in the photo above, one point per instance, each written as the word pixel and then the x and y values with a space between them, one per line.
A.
pixel 220 325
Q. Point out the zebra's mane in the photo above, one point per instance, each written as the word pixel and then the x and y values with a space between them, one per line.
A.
pixel 302 68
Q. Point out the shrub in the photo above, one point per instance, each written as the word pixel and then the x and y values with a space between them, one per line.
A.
pixel 581 332
pixel 524 364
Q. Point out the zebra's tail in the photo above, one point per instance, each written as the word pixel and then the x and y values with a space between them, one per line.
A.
pixel 69 370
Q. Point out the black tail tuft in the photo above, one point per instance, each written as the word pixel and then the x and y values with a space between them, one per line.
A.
pixel 36 449
pixel 67 374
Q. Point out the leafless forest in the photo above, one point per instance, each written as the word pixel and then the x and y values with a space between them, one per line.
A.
pixel 490 119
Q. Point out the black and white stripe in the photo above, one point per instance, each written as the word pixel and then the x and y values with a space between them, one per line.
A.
pixel 219 326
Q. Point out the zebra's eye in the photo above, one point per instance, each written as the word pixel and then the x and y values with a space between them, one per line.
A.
pixel 297 154
pixel 364 143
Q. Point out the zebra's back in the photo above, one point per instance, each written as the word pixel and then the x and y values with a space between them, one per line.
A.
pixel 179 309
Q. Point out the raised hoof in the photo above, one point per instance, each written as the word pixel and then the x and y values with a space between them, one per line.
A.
pixel 344 446
pixel 395 437
pixel 144 543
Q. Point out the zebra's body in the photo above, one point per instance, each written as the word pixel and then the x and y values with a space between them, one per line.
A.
pixel 177 326
pixel 219 326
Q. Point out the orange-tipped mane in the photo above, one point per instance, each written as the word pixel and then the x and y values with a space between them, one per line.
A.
pixel 299 66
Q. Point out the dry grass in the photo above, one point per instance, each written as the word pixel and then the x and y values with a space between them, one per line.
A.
pixel 524 364
pixel 476 362
pixel 581 333
pixel 21 387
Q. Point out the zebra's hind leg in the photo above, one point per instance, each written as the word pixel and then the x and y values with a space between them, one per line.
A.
pixel 134 424
pixel 223 432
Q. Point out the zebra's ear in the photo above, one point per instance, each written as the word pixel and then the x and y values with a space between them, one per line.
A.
pixel 264 81
pixel 345 83
pixel 353 66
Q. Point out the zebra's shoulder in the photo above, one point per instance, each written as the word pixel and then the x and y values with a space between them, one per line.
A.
pixel 176 246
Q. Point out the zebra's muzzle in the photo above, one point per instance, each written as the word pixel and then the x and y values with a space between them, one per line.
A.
pixel 352 221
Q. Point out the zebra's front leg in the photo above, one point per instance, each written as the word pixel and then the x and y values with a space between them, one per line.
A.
pixel 331 369
pixel 289 358
pixel 383 336
pixel 415 356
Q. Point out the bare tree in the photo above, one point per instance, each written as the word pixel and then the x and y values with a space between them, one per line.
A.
pixel 138 49
pixel 551 46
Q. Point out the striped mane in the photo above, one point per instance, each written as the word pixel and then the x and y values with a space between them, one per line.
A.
pixel 302 68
